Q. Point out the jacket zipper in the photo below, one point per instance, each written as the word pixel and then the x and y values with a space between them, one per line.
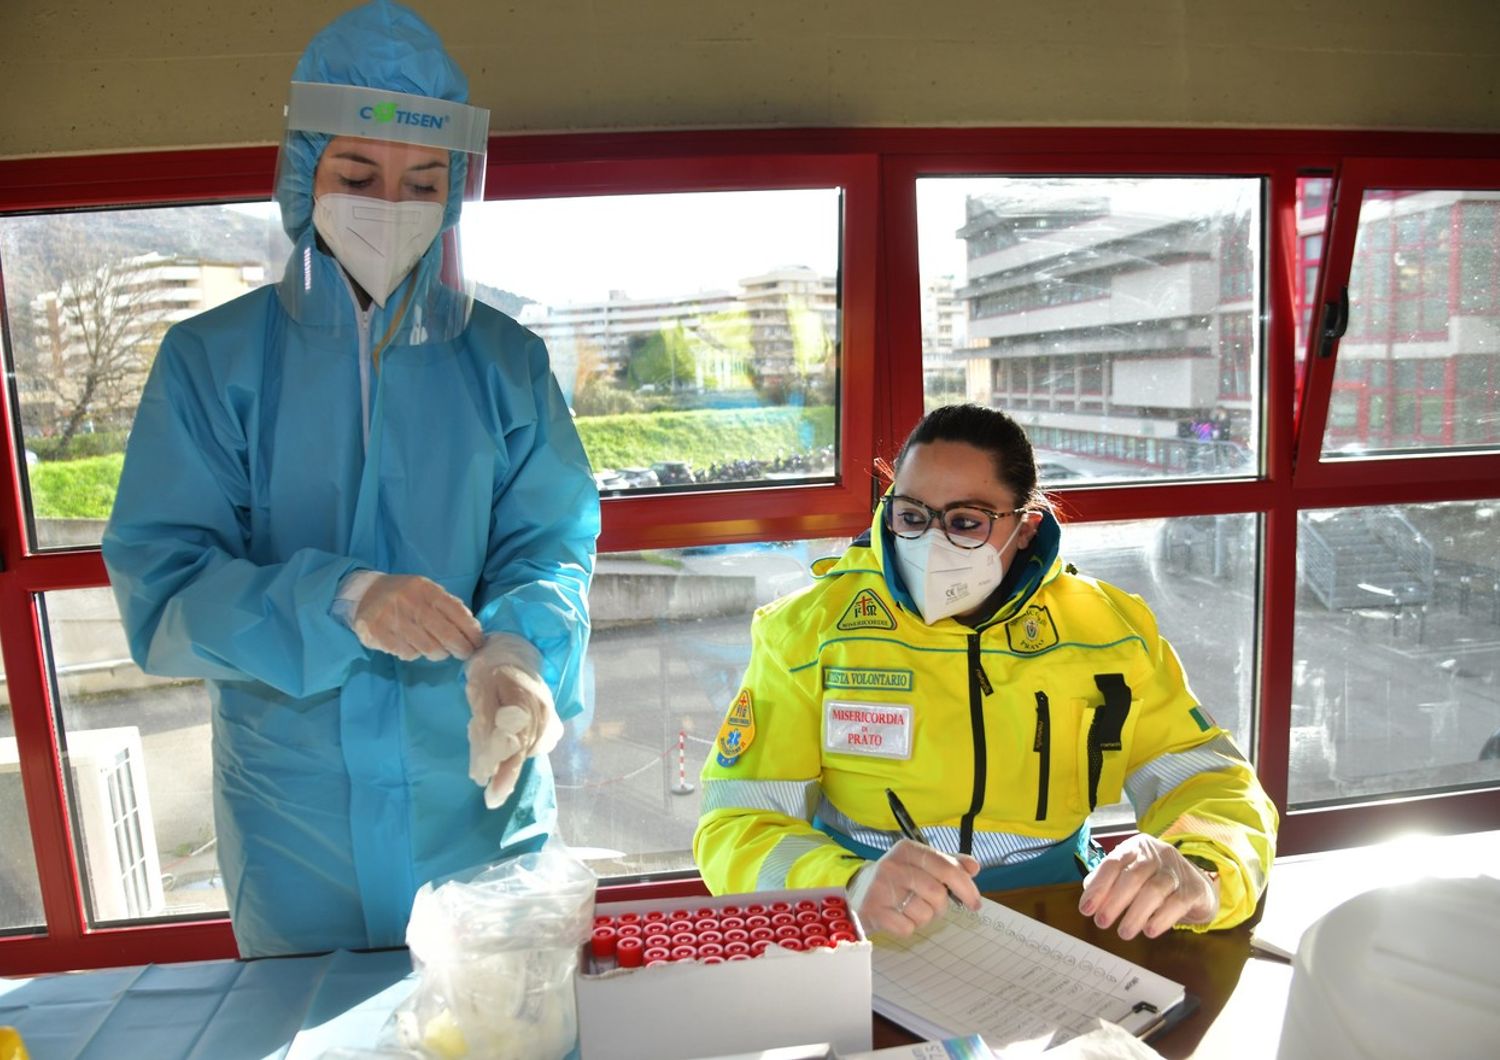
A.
pixel 1042 745
pixel 979 687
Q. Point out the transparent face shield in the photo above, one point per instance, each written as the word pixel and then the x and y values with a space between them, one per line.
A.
pixel 370 186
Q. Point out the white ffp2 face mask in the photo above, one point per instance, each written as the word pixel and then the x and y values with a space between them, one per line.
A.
pixel 944 579
pixel 377 241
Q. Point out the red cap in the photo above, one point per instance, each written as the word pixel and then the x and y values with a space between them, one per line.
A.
pixel 791 944
pixel 603 942
pixel 656 914
pixel 758 920
pixel 683 953
pixel 630 951
pixel 738 957
pixel 736 935
pixel 658 938
pixel 657 955
pixel 842 936
pixel 729 923
pixel 736 949
pixel 806 904
pixel 762 934
pixel 716 959
pixel 730 910
pixel 706 910
pixel 630 918
pixel 758 947
pixel 809 916
pixel 710 949
pixel 816 942
pixel 631 929
pixel 754 909
pixel 788 931
pixel 780 907
pixel 710 936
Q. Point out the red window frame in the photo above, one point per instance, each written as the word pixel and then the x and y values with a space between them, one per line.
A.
pixel 881 391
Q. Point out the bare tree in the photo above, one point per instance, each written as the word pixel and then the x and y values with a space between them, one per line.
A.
pixel 96 336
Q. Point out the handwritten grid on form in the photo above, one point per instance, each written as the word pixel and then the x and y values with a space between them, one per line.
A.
pixel 999 974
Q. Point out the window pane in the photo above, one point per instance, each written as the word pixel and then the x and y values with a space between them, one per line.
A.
pixel 671 642
pixel 139 768
pixel 88 296
pixel 695 335
pixel 1397 650
pixel 1404 310
pixel 1198 575
pixel 20 893
pixel 1149 286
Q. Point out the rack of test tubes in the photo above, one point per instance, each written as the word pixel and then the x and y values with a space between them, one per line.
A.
pixel 740 929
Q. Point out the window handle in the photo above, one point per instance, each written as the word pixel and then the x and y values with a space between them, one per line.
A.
pixel 1335 322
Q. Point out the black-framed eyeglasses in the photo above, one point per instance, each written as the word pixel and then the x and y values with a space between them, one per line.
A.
pixel 966 525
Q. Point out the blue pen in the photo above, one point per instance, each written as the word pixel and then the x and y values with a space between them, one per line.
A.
pixel 910 830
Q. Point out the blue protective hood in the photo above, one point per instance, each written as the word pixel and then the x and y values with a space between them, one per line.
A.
pixel 378 45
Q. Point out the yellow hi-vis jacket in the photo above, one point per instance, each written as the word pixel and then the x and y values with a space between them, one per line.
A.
pixel 999 740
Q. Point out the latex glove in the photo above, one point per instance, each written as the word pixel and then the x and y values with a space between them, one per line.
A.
pixel 410 617
pixel 512 716
pixel 1148 886
pixel 908 887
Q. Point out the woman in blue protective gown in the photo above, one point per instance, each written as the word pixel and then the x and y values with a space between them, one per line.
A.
pixel 356 504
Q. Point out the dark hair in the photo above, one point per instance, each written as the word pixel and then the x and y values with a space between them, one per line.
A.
pixel 991 431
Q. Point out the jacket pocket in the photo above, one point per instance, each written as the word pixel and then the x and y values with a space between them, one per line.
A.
pixel 1105 728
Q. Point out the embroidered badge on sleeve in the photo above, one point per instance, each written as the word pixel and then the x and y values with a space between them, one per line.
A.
pixel 738 731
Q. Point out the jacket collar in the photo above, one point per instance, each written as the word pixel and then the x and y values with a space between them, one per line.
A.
pixel 1032 567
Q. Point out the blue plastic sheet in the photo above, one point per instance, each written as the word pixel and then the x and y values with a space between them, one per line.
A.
pixel 293 1007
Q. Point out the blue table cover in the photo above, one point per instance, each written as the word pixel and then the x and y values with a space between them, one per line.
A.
pixel 286 1007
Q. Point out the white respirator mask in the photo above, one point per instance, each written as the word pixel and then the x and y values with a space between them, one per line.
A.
pixel 377 242
pixel 944 579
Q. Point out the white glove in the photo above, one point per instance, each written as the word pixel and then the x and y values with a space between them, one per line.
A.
pixel 512 714
pixel 909 886
pixel 409 616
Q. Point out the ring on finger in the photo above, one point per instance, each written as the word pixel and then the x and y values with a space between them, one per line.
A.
pixel 901 905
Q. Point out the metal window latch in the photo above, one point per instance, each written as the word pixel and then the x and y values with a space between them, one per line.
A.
pixel 1335 322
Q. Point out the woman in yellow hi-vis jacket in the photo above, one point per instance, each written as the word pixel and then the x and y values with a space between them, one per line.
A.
pixel 952 658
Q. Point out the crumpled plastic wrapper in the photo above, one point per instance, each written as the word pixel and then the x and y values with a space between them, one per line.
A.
pixel 496 952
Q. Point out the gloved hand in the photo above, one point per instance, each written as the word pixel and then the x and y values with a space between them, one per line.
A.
pixel 410 616
pixel 512 716
pixel 909 886
pixel 1149 886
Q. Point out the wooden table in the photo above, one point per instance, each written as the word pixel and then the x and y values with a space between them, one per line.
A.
pixel 1217 967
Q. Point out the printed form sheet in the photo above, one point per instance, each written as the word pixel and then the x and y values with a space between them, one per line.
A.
pixel 1011 979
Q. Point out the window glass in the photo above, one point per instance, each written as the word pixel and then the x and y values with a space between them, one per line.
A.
pixel 1198 575
pixel 20 893
pixel 139 770
pixel 1397 651
pixel 88 296
pixel 1149 286
pixel 670 643
pixel 1424 303
pixel 696 336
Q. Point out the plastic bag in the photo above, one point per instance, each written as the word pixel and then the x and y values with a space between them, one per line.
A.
pixel 495 952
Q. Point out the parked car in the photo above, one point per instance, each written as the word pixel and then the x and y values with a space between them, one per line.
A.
pixel 639 477
pixel 1049 472
pixel 609 479
pixel 673 472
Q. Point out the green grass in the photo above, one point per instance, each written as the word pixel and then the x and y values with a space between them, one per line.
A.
pixel 704 436
pixel 85 489
pixel 76 489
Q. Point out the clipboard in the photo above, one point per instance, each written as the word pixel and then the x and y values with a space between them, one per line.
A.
pixel 1013 981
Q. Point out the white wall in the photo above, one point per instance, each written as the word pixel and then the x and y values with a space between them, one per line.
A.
pixel 105 75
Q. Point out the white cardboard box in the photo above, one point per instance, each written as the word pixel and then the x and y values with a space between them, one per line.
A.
pixel 686 1010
